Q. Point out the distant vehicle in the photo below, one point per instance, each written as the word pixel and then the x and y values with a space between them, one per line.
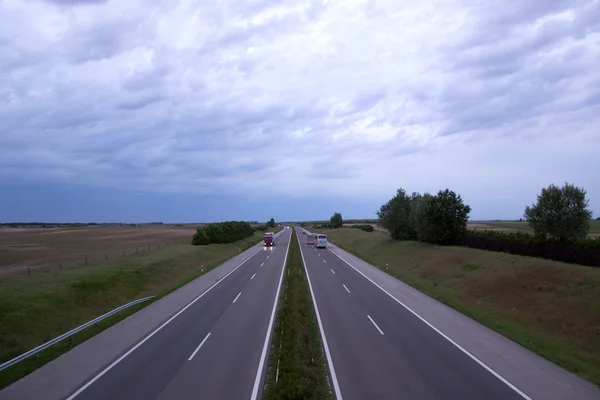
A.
pixel 321 241
pixel 269 239
pixel 311 238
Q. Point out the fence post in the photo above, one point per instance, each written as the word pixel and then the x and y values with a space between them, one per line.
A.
pixel 136 249
pixel 28 270
pixel 106 256
pixel 60 265
pixel 86 261
pixel 123 253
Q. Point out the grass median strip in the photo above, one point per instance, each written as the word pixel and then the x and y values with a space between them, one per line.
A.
pixel 296 368
pixel 549 307
pixel 37 308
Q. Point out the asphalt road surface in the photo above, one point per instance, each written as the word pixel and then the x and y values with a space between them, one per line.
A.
pixel 215 349
pixel 380 350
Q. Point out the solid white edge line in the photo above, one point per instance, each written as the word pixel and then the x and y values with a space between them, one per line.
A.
pixel 252 276
pixel 105 370
pixel 198 348
pixel 458 346
pixel 336 385
pixel 376 326
pixel 237 297
pixel 348 290
pixel 269 330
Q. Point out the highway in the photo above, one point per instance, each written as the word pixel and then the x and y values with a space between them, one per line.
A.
pixel 209 340
pixel 380 350
pixel 214 349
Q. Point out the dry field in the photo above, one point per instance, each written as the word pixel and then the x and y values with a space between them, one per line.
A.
pixel 505 226
pixel 49 248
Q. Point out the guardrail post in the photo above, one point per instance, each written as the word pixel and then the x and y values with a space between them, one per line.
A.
pixel 28 270
pixel 106 256
pixel 202 268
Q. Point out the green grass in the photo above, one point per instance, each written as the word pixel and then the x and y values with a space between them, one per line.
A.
pixel 295 345
pixel 552 308
pixel 39 307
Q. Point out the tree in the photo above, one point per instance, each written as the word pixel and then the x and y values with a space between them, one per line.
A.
pixel 419 216
pixel 271 223
pixel 441 218
pixel 200 237
pixel 395 216
pixel 336 221
pixel 560 213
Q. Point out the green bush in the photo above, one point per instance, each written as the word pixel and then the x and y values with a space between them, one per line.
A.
pixel 223 232
pixel 584 251
pixel 364 227
pixel 200 237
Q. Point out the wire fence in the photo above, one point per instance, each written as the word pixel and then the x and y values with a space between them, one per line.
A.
pixel 82 260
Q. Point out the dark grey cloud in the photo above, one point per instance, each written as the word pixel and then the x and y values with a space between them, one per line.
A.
pixel 75 2
pixel 292 97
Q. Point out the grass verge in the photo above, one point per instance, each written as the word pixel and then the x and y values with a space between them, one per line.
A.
pixel 549 307
pixel 296 368
pixel 39 307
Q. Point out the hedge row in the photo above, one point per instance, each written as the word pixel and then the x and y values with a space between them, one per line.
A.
pixel 581 251
pixel 222 232
pixel 365 227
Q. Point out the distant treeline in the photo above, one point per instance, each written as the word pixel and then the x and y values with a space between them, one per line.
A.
pixel 222 232
pixel 325 222
pixel 583 251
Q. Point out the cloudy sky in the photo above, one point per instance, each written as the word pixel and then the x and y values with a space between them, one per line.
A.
pixel 201 110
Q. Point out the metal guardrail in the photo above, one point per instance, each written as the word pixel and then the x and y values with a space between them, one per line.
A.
pixel 70 333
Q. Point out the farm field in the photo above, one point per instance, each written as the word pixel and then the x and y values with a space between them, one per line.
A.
pixel 50 248
pixel 518 226
pixel 506 226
